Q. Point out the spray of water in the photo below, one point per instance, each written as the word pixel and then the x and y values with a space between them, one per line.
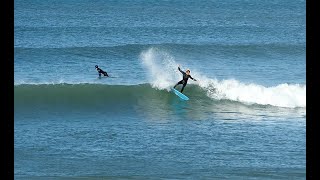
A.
pixel 161 68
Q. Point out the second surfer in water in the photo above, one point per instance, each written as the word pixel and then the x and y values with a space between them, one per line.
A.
pixel 100 71
pixel 186 76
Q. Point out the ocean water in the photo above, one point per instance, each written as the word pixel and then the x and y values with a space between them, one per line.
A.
pixel 246 117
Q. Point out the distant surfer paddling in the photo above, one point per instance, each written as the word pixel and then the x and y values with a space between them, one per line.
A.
pixel 100 71
pixel 186 76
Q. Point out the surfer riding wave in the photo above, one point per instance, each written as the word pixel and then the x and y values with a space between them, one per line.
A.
pixel 184 81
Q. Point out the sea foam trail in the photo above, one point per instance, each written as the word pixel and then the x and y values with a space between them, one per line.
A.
pixel 162 71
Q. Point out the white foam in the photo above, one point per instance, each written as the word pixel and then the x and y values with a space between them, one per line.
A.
pixel 283 95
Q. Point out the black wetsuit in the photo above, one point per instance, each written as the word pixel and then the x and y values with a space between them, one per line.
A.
pixel 184 80
pixel 100 71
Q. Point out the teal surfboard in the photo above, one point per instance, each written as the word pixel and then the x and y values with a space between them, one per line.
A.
pixel 182 96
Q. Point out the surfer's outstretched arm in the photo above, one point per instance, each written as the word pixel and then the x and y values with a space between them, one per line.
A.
pixel 181 70
pixel 192 78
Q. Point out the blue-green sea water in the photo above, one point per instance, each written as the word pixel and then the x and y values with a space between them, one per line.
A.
pixel 246 117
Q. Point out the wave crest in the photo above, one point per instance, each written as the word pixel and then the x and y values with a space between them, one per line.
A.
pixel 157 61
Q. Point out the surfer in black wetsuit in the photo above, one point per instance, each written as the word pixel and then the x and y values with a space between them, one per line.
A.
pixel 100 71
pixel 186 76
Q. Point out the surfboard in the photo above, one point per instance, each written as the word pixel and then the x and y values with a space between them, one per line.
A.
pixel 182 96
